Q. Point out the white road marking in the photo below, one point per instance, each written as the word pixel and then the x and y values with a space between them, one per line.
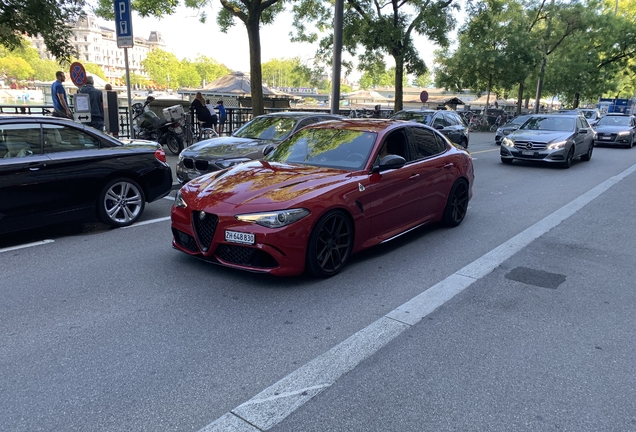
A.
pixel 276 402
pixel 169 197
pixel 26 245
pixel 148 222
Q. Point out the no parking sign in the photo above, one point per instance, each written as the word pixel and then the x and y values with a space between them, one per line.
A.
pixel 78 74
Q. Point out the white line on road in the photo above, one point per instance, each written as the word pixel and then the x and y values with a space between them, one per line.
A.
pixel 278 401
pixel 169 197
pixel 26 245
pixel 148 222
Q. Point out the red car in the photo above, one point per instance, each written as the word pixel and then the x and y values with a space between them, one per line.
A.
pixel 330 190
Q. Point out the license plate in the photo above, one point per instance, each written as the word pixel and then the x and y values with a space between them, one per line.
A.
pixel 239 237
pixel 527 153
pixel 193 175
pixel 606 138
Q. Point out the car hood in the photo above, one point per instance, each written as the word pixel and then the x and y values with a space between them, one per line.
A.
pixel 226 146
pixel 509 128
pixel 262 183
pixel 539 135
pixel 611 129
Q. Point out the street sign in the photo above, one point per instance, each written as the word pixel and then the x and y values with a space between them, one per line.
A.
pixel 123 24
pixel 78 74
pixel 424 96
pixel 82 112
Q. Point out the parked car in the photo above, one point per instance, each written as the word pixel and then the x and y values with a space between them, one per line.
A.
pixel 54 170
pixel 510 127
pixel 328 191
pixel 246 144
pixel 552 138
pixel 447 122
pixel 592 115
pixel 616 130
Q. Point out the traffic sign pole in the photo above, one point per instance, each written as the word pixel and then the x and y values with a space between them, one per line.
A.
pixel 131 131
pixel 125 40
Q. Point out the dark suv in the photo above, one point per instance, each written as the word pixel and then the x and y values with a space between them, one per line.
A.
pixel 447 122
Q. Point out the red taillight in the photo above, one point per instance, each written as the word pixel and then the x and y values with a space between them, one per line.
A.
pixel 160 155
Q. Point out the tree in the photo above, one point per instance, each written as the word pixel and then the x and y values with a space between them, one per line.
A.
pixel 15 67
pixel 209 69
pixel 94 69
pixel 188 75
pixel 288 73
pixel 380 29
pixel 252 13
pixel 423 80
pixel 43 69
pixel 163 68
pixel 45 17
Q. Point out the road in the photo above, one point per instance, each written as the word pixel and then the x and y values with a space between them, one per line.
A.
pixel 113 330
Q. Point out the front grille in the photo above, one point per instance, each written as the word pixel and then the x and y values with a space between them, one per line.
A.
pixel 245 256
pixel 523 145
pixel 204 228
pixel 201 165
pixel 185 240
pixel 188 163
pixel 605 137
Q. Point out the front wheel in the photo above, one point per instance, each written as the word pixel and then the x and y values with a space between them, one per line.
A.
pixel 568 159
pixel 587 156
pixel 330 244
pixel 457 204
pixel 174 143
pixel 121 202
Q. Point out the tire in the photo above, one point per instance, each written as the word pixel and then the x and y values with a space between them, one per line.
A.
pixel 506 161
pixel 493 128
pixel 456 204
pixel 568 159
pixel 587 156
pixel 330 244
pixel 174 143
pixel 121 202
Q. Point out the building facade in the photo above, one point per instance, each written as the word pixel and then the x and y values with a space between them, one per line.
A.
pixel 97 44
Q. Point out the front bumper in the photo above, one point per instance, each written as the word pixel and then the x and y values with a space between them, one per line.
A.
pixel 544 155
pixel 280 251
pixel 612 140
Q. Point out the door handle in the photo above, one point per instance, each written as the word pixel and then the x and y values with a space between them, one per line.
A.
pixel 36 166
pixel 449 165
pixel 414 176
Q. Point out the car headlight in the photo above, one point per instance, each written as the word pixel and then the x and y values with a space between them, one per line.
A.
pixel 274 219
pixel 180 157
pixel 226 163
pixel 179 201
pixel 556 145
pixel 508 142
pixel 624 133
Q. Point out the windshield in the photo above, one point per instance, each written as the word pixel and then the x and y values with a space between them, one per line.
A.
pixel 267 128
pixel 613 121
pixel 556 123
pixel 342 149
pixel 419 117
pixel 589 114
pixel 519 120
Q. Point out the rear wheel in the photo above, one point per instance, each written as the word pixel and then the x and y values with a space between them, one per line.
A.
pixel 457 204
pixel 121 202
pixel 330 244
pixel 174 143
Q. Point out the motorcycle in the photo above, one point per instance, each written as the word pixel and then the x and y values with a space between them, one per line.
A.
pixel 148 125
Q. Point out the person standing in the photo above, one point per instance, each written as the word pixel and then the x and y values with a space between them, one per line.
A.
pixel 222 116
pixel 60 103
pixel 203 115
pixel 97 103
pixel 215 119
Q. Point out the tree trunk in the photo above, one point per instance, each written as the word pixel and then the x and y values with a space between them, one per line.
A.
pixel 577 96
pixel 537 102
pixel 399 90
pixel 256 74
pixel 520 97
pixel 488 97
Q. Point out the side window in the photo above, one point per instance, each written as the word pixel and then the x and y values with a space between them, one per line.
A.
pixel 425 143
pixel 20 140
pixel 440 121
pixel 450 118
pixel 395 143
pixel 65 138
pixel 307 121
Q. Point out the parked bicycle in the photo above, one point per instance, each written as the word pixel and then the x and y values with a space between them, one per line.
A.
pixel 193 135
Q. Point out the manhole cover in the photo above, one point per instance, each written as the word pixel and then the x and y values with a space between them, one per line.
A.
pixel 534 277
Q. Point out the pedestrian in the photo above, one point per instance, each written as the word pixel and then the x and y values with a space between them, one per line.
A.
pixel 215 119
pixel 203 114
pixel 222 116
pixel 97 103
pixel 60 103
pixel 108 87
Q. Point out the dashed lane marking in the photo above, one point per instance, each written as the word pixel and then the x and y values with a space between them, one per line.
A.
pixel 148 222
pixel 26 245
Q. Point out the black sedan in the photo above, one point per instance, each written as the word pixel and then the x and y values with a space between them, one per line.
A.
pixel 447 122
pixel 54 170
pixel 510 127
pixel 246 144
pixel 616 130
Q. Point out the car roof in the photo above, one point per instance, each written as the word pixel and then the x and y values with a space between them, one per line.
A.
pixel 299 114
pixel 415 110
pixel 366 125
pixel 618 114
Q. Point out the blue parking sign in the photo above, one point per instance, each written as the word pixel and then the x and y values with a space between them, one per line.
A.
pixel 123 24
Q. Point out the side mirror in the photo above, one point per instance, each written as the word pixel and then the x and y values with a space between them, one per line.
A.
pixel 268 149
pixel 583 130
pixel 389 162
pixel 439 127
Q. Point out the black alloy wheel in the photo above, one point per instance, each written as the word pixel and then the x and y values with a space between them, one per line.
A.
pixel 457 203
pixel 330 244
pixel 174 143
pixel 587 156
pixel 568 159
pixel 121 202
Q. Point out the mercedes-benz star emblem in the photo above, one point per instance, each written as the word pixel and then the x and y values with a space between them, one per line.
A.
pixel 529 146
pixel 202 215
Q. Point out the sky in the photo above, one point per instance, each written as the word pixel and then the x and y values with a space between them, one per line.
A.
pixel 186 37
